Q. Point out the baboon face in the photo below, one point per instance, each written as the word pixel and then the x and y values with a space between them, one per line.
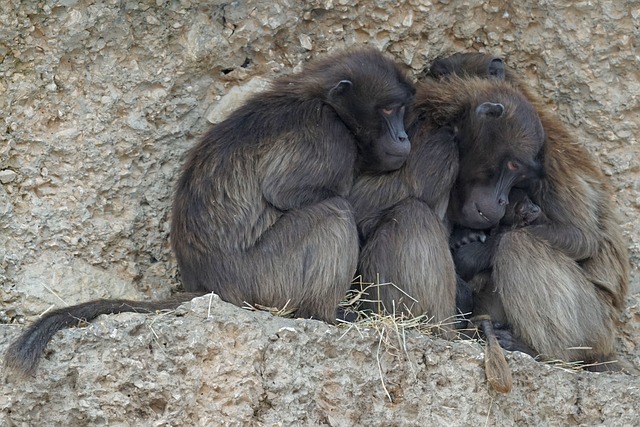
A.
pixel 500 143
pixel 521 210
pixel 372 103
pixel 500 138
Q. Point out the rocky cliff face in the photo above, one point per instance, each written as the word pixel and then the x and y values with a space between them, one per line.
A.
pixel 99 102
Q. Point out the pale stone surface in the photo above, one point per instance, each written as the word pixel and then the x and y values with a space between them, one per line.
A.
pixel 99 101
pixel 213 364
pixel 236 96
pixel 7 176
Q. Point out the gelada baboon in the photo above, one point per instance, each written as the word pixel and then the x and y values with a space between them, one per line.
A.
pixel 520 212
pixel 401 222
pixel 403 216
pixel 260 212
pixel 487 311
pixel 562 283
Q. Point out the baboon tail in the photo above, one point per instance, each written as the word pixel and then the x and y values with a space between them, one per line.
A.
pixel 24 354
pixel 496 367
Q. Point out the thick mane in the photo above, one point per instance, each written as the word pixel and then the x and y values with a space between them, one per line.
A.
pixel 446 100
pixel 368 69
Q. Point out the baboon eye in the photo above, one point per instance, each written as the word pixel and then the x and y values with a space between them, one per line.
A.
pixel 513 166
pixel 387 111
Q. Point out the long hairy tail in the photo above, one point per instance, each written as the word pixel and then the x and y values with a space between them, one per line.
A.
pixel 24 354
pixel 495 365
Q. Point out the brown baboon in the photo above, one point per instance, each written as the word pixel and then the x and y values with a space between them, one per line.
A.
pixel 519 212
pixel 402 215
pixel 562 283
pixel 401 221
pixel 261 212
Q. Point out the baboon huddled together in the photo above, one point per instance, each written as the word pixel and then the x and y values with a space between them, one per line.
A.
pixel 562 279
pixel 461 190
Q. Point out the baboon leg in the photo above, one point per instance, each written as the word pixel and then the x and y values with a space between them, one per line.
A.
pixel 548 301
pixel 464 298
pixel 488 307
pixel 307 259
pixel 486 299
pixel 410 250
pixel 509 341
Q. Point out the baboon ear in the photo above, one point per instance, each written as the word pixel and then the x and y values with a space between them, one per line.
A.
pixel 496 69
pixel 490 109
pixel 341 88
pixel 439 68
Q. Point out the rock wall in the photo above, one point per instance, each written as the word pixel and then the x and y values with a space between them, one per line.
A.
pixel 212 364
pixel 99 102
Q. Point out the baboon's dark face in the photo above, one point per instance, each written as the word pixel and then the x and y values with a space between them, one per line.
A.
pixel 392 144
pixel 527 212
pixel 500 137
pixel 521 210
pixel 500 143
pixel 385 134
pixel 373 108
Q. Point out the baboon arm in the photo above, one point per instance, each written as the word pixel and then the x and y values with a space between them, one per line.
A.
pixel 303 172
pixel 472 258
pixel 287 197
pixel 372 196
pixel 464 296
pixel 376 193
pixel 289 188
pixel 574 242
pixel 572 196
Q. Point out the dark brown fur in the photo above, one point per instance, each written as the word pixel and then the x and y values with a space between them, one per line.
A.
pixel 479 245
pixel 260 214
pixel 562 283
pixel 402 215
pixel 401 220
pixel 521 211
pixel 23 355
